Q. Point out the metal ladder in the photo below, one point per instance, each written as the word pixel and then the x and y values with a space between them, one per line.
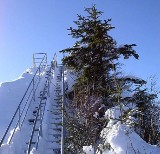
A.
pixel 38 114
pixel 56 126
pixel 36 106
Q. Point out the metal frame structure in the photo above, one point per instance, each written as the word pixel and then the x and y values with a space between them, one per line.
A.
pixel 63 102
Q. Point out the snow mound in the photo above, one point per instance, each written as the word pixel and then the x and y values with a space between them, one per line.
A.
pixel 123 139
pixel 10 95
pixel 119 137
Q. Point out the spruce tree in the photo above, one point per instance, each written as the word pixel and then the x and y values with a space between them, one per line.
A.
pixel 94 56
pixel 95 52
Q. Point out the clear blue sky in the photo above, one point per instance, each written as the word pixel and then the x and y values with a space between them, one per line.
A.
pixel 28 26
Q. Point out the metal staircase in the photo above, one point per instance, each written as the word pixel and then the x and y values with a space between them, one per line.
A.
pixel 55 122
pixel 38 114
pixel 32 108
pixel 25 103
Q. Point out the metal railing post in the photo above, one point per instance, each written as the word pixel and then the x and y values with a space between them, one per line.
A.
pixel 46 59
pixel 63 101
pixel 33 90
pixel 19 117
pixel 39 73
pixel 48 88
pixel 40 121
pixel 34 64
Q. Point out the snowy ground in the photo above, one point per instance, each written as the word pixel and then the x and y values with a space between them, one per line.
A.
pixel 120 138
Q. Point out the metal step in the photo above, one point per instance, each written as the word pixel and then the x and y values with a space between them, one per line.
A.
pixel 57 109
pixel 59 102
pixel 55 135
pixel 56 124
pixel 57 151
pixel 36 130
pixel 55 113
pixel 35 111
pixel 56 99
pixel 57 118
pixel 58 85
pixel 55 141
pixel 59 90
pixel 31 120
pixel 31 142
pixel 56 129
pixel 42 97
pixel 57 105
pixel 59 95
